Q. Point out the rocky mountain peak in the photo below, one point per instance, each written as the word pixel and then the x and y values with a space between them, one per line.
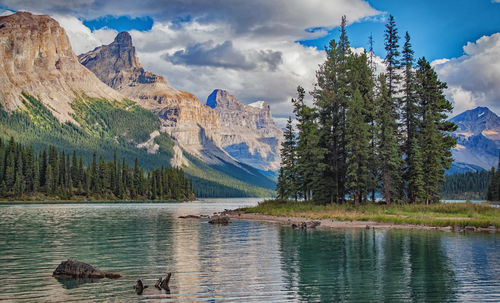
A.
pixel 36 58
pixel 222 99
pixel 478 137
pixel 194 125
pixel 480 120
pixel 123 39
pixel 249 133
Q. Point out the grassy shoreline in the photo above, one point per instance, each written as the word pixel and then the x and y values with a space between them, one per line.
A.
pixel 436 215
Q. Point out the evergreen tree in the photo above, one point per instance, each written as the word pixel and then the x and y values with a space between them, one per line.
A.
pixel 413 172
pixel 390 161
pixel 308 153
pixel 392 58
pixel 357 148
pixel 331 99
pixel 436 143
pixel 287 180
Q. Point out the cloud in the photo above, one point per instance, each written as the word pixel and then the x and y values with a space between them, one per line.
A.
pixel 224 55
pixel 473 78
pixel 81 38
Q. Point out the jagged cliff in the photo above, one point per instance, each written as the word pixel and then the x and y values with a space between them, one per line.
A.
pixel 37 58
pixel 194 125
pixel 248 132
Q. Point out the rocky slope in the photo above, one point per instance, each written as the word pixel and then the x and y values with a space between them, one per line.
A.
pixel 248 132
pixel 194 125
pixel 36 58
pixel 478 137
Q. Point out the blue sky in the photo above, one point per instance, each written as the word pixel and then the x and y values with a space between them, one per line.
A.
pixel 438 28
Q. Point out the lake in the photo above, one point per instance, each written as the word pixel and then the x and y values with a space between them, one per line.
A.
pixel 245 261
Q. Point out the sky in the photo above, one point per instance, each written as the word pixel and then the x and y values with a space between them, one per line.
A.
pixel 261 49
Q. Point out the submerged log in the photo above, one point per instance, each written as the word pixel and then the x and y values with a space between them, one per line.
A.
pixel 222 220
pixel 140 287
pixel 189 217
pixel 76 269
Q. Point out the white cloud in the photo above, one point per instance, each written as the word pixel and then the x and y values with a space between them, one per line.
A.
pixel 81 38
pixel 474 78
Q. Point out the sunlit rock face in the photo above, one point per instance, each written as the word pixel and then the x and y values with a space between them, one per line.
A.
pixel 248 132
pixel 36 58
pixel 194 125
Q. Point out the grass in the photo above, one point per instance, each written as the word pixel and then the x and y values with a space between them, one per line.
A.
pixel 440 214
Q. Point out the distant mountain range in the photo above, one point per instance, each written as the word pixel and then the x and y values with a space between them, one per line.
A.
pixel 478 140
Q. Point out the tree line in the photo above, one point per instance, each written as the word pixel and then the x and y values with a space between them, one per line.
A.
pixel 55 174
pixel 366 135
pixel 466 186
pixel 493 193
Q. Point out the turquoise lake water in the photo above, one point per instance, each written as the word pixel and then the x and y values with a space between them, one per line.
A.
pixel 243 262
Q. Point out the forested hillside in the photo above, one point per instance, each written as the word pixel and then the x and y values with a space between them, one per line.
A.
pixel 110 128
pixel 53 174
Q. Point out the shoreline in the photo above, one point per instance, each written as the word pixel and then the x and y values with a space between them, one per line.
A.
pixel 337 224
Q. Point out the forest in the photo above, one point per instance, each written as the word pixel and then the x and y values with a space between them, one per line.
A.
pixel 53 174
pixel 493 193
pixel 366 135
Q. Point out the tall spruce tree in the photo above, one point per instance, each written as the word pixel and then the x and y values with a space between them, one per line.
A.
pixel 331 95
pixel 287 180
pixel 357 148
pixel 390 162
pixel 435 142
pixel 413 173
pixel 308 153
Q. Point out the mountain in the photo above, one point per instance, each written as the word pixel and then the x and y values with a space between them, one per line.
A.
pixel 37 59
pixel 478 138
pixel 248 132
pixel 194 126
pixel 48 98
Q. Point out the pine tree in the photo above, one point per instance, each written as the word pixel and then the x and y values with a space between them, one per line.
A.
pixel 413 172
pixel 287 180
pixel 331 95
pixel 388 152
pixel 308 153
pixel 357 148
pixel 436 143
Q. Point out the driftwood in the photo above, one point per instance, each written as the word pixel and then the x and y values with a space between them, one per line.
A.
pixel 76 269
pixel 222 220
pixel 164 282
pixel 140 287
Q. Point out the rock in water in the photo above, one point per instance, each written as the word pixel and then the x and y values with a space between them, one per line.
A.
pixel 76 269
pixel 220 220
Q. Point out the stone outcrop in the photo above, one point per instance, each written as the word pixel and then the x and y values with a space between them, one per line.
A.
pixel 76 269
pixel 248 132
pixel 36 58
pixel 194 125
